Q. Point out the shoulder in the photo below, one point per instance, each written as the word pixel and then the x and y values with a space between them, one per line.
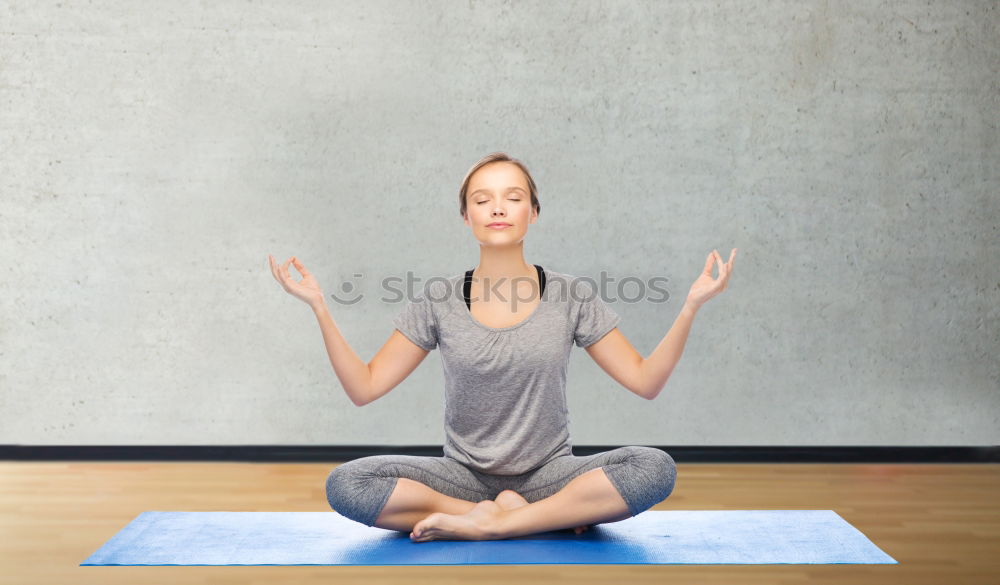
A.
pixel 570 288
pixel 437 290
pixel 560 278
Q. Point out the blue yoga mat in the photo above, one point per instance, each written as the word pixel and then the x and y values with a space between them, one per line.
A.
pixel 653 537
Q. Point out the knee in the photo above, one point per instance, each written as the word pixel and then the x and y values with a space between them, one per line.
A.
pixel 342 486
pixel 660 468
pixel 335 483
pixel 357 488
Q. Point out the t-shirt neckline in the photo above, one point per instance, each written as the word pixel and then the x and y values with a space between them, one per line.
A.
pixel 541 302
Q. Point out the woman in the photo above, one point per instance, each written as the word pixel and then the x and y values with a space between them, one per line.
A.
pixel 505 330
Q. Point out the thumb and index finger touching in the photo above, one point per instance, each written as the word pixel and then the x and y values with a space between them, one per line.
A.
pixel 281 271
pixel 714 257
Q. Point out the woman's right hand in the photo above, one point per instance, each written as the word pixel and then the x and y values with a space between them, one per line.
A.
pixel 308 290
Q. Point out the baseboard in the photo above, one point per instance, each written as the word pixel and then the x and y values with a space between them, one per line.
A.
pixel 340 453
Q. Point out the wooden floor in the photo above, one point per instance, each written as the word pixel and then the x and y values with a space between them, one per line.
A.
pixel 941 522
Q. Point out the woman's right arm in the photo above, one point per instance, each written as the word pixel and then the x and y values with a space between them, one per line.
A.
pixel 363 382
pixel 354 374
pixel 366 383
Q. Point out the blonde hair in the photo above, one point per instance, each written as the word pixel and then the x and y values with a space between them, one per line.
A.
pixel 492 158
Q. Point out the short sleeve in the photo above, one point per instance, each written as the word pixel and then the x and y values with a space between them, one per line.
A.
pixel 416 321
pixel 595 319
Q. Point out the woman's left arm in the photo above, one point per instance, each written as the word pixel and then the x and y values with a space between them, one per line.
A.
pixel 647 376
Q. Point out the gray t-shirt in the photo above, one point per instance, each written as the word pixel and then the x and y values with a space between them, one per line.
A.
pixel 505 388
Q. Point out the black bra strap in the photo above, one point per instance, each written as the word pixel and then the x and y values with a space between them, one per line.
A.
pixel 467 289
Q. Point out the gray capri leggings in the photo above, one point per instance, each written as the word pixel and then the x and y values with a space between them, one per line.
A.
pixel 359 489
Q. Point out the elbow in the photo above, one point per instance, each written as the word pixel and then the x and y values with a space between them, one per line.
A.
pixel 643 387
pixel 647 393
pixel 650 389
pixel 364 398
pixel 651 392
pixel 359 397
pixel 655 391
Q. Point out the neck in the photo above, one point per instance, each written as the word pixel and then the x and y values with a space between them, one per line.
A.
pixel 508 262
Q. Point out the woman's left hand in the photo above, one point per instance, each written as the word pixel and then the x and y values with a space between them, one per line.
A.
pixel 707 287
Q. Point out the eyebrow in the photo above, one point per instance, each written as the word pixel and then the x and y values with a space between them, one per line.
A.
pixel 487 190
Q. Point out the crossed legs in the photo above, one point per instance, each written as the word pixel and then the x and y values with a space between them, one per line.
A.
pixel 412 501
pixel 589 498
pixel 378 491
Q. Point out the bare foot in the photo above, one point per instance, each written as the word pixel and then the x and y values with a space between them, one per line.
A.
pixel 479 523
pixel 509 499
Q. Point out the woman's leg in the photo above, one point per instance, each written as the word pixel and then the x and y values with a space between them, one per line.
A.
pixel 412 501
pixel 509 500
pixel 397 491
pixel 642 476
pixel 566 491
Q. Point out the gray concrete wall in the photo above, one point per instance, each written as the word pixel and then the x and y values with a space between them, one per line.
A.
pixel 154 153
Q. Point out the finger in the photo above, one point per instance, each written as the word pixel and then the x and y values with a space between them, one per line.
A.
pixel 729 265
pixel 284 269
pixel 722 266
pixel 299 266
pixel 274 269
pixel 708 263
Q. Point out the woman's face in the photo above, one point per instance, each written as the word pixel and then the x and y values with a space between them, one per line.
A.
pixel 498 192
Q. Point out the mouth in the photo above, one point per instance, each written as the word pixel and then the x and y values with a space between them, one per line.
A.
pixel 498 226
